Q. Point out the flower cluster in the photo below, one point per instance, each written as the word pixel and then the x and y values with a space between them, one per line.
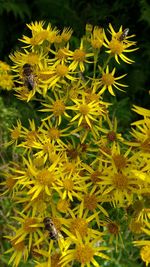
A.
pixel 76 168
pixel 6 79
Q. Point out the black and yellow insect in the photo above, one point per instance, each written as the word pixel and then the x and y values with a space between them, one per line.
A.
pixel 28 76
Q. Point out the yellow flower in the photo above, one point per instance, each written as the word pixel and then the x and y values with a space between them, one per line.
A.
pixel 108 81
pixel 39 35
pixel 56 108
pixel 79 58
pixel 60 73
pixel 84 252
pixel 141 111
pixel 86 111
pixel 28 230
pixel 97 38
pixel 117 48
pixel 18 250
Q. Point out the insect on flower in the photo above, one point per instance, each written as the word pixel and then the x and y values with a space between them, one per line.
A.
pixel 124 34
pixel 28 76
pixel 50 227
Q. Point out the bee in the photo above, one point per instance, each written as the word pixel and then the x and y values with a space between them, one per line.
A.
pixel 28 77
pixel 50 227
pixel 124 34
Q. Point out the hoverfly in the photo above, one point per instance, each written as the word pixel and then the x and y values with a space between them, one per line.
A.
pixel 28 76
pixel 50 227
pixel 124 34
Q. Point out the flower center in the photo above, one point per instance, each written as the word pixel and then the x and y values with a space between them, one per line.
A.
pixel 95 176
pixel 79 225
pixel 120 161
pixel 15 134
pixel 53 133
pixel 96 43
pixel 10 182
pixel 28 225
pixel 19 246
pixel 58 108
pixel 45 177
pixel 84 109
pixel 108 79
pixel 90 202
pixel 116 47
pixel 84 254
pixel 32 58
pixel 120 181
pixel 61 53
pixel 63 205
pixel 111 136
pixel 68 184
pixel 113 228
pixel 79 55
pixel 61 70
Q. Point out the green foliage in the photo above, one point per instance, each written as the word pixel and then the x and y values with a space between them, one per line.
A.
pixel 20 9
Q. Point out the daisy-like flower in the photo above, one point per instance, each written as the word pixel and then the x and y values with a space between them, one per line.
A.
pixel 29 231
pixel 117 46
pixel 86 111
pixel 110 134
pixel 70 186
pixel 15 133
pixel 97 38
pixel 56 108
pixel 60 73
pixel 39 35
pixel 79 58
pixel 145 250
pixel 108 81
pixel 84 252
pixel 18 250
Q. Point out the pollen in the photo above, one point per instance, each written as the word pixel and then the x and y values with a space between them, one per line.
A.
pixel 120 161
pixel 68 184
pixel 45 177
pixel 61 70
pixel 84 254
pixel 116 47
pixel 58 108
pixel 53 133
pixel 79 55
pixel 84 109
pixel 28 225
pixel 145 254
pixel 108 79
pixel 120 181
pixel 90 202
pixel 79 225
